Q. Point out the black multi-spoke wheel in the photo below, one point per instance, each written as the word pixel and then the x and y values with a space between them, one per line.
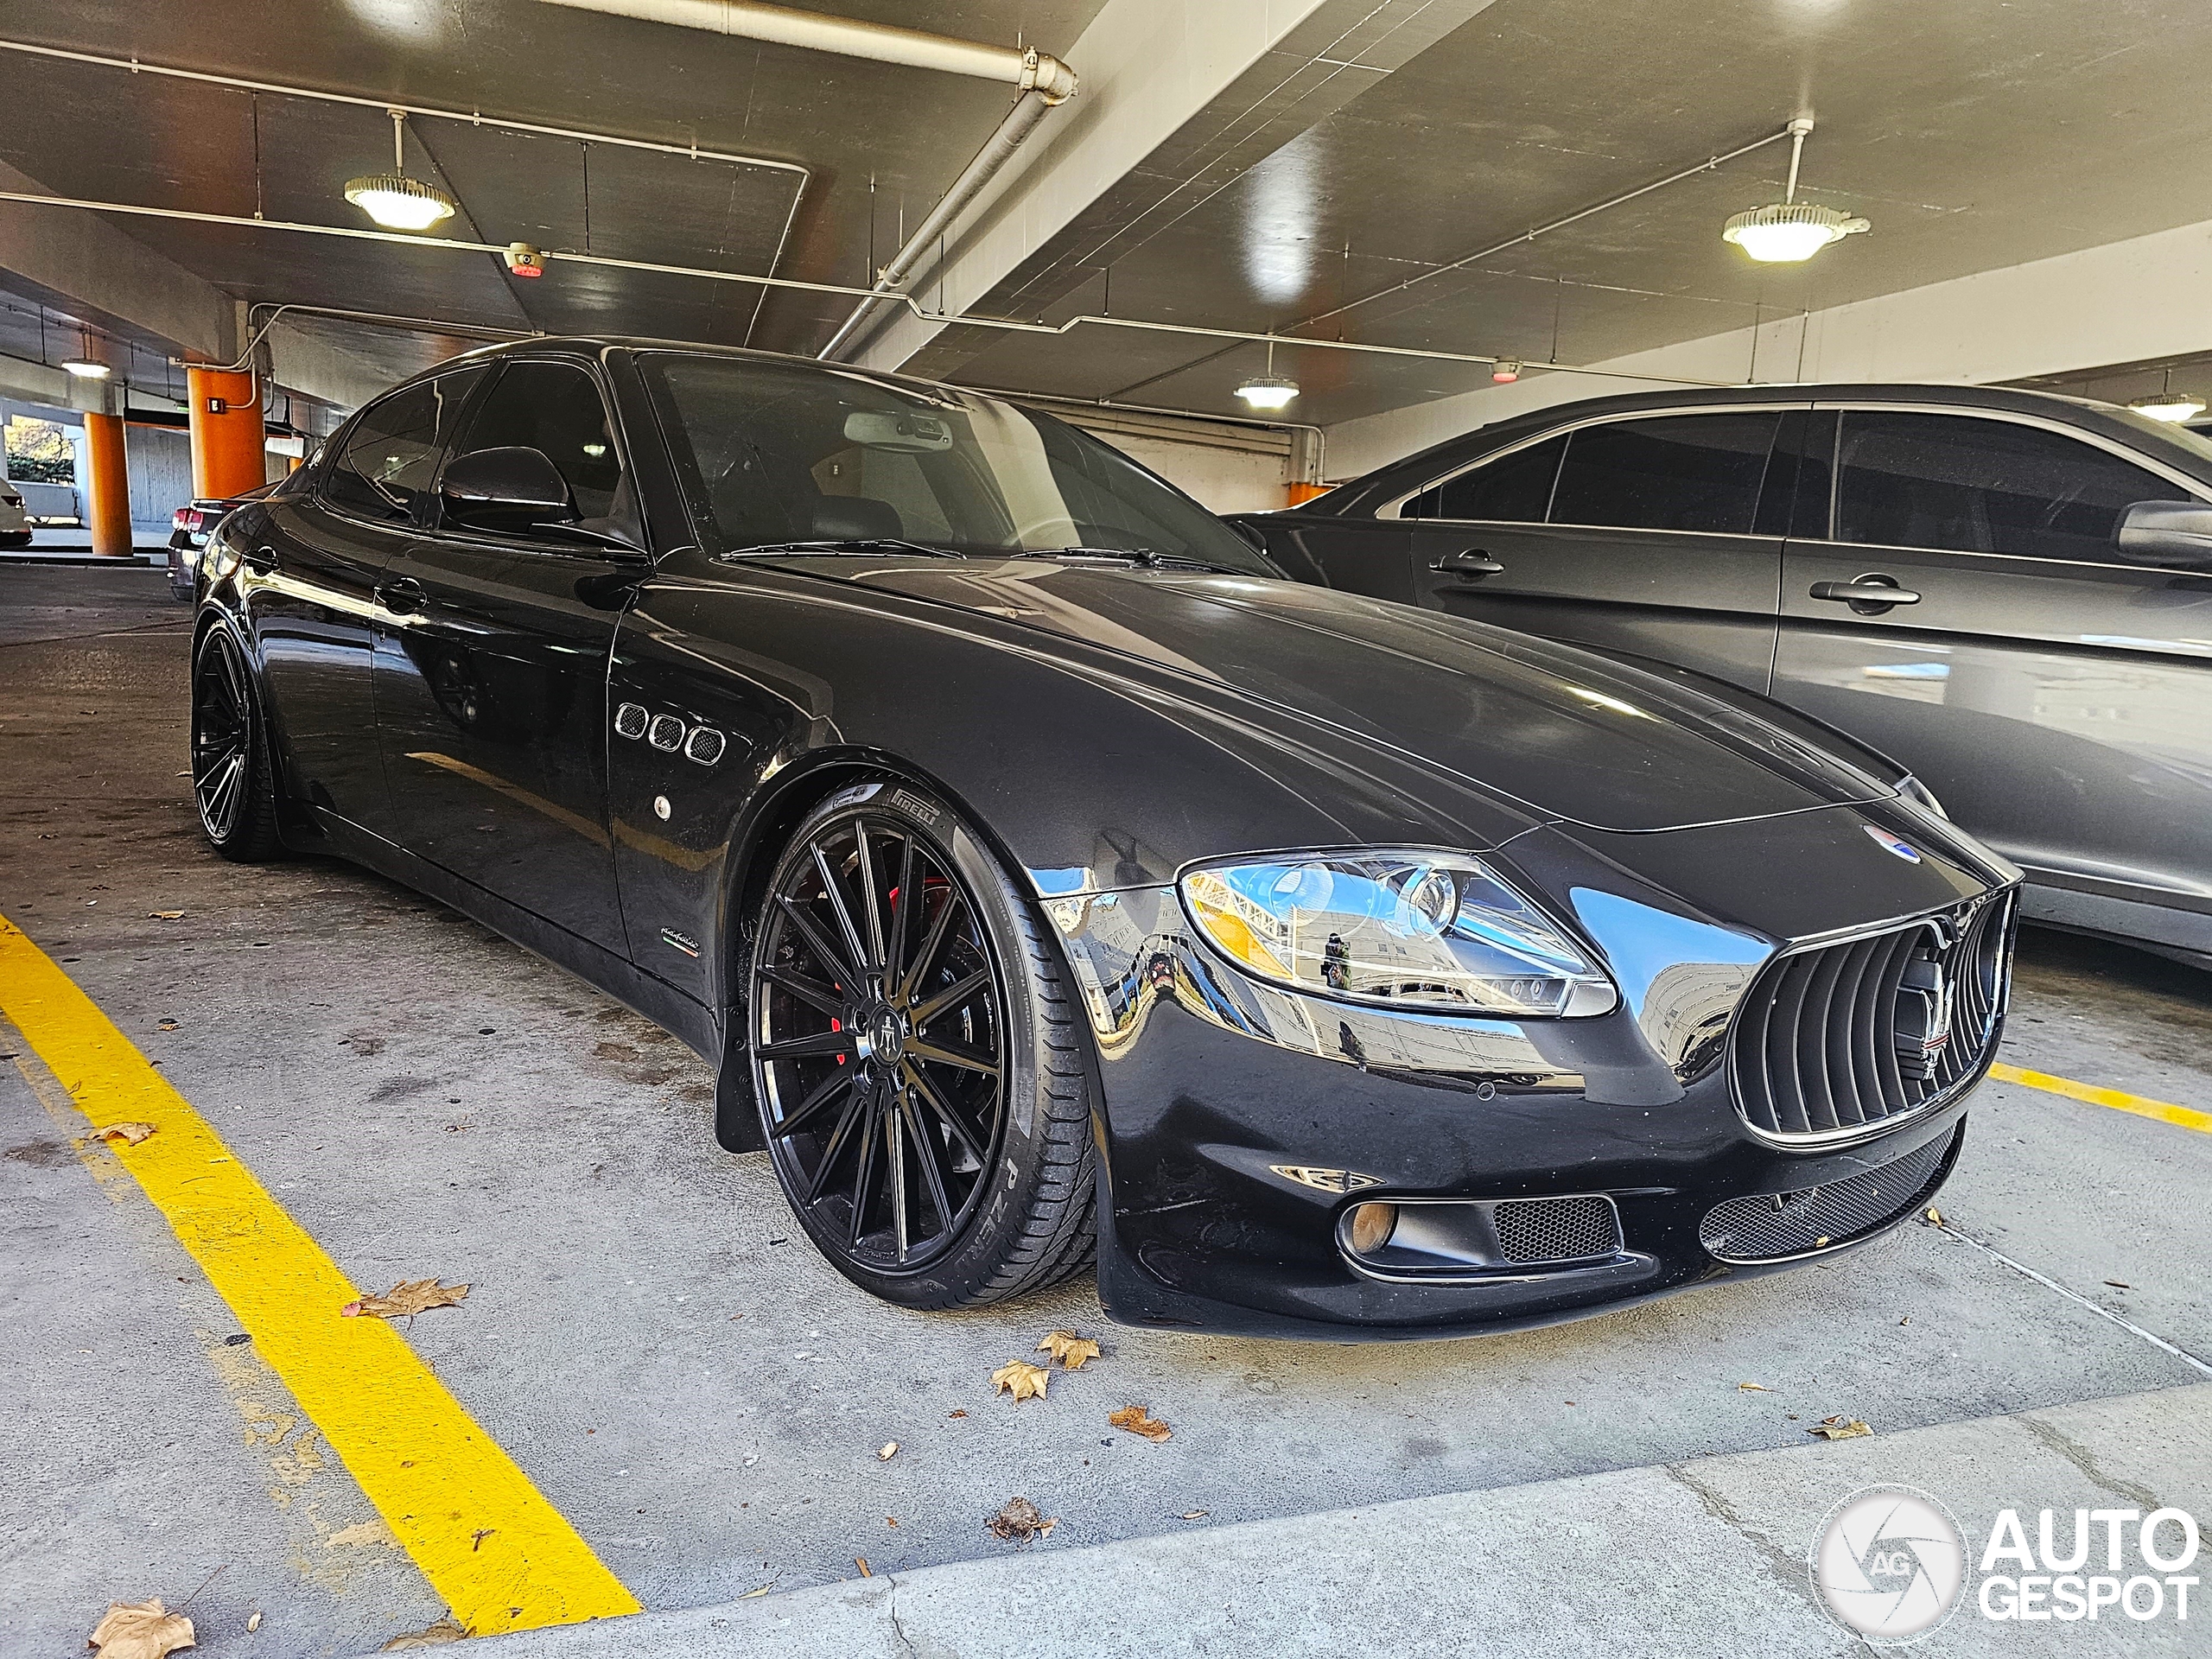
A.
pixel 231 781
pixel 919 1077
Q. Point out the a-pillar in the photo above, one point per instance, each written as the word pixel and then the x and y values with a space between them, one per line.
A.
pixel 107 491
pixel 227 437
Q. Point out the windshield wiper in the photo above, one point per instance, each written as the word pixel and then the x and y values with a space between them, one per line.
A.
pixel 859 544
pixel 1144 557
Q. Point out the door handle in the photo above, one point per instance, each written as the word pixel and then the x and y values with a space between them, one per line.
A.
pixel 1471 562
pixel 1868 595
pixel 403 597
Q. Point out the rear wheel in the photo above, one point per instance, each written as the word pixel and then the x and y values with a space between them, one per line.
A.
pixel 920 1067
pixel 232 781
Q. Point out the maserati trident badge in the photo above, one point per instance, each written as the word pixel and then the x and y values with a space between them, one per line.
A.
pixel 1890 843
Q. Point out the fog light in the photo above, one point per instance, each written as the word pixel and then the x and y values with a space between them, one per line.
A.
pixel 1371 1227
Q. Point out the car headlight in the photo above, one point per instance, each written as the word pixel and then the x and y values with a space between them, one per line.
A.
pixel 1920 796
pixel 1434 931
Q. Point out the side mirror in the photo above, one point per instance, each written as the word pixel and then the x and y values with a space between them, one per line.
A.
pixel 2175 534
pixel 510 489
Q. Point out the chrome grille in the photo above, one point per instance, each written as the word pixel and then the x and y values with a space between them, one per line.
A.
pixel 1837 1041
pixel 704 746
pixel 630 720
pixel 1774 1226
pixel 665 732
pixel 1556 1230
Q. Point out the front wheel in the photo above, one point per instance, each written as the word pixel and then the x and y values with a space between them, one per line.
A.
pixel 920 1066
pixel 233 783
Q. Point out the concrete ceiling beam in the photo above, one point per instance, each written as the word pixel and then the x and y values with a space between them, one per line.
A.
pixel 1180 99
pixel 2130 301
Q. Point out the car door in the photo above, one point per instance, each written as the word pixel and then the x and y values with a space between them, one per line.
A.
pixel 491 687
pixel 1641 535
pixel 2056 700
pixel 310 571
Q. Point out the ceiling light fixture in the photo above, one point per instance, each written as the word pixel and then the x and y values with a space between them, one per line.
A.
pixel 2170 406
pixel 1269 392
pixel 1790 231
pixel 392 198
pixel 85 368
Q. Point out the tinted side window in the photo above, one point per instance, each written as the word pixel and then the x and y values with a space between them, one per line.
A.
pixel 389 454
pixel 1515 488
pixel 1675 472
pixel 555 408
pixel 1972 485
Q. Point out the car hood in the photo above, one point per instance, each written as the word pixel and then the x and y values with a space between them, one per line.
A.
pixel 1562 733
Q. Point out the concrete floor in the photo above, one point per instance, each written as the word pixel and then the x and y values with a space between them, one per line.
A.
pixel 653 1340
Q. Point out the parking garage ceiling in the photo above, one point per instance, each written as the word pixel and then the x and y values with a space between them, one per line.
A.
pixel 1981 135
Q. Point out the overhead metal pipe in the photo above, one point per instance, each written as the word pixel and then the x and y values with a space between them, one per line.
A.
pixel 868 295
pixel 884 42
pixel 1021 121
pixel 1045 81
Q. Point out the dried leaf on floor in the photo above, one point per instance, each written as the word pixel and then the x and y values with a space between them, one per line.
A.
pixel 1839 1428
pixel 888 1450
pixel 1934 1217
pixel 956 1414
pixel 861 1561
pixel 252 1622
pixel 165 1024
pixel 448 1628
pixel 1020 1379
pixel 166 915
pixel 1137 1419
pixel 2120 1284
pixel 140 1629
pixel 1067 1348
pixel 1751 1387
pixel 129 1134
pixel 408 1296
pixel 1019 1521
pixel 1196 1515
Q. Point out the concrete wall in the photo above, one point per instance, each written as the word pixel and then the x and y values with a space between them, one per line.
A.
pixel 160 460
pixel 1224 480
pixel 1229 469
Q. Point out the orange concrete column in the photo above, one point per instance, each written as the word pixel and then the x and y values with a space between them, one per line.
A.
pixel 1301 493
pixel 107 491
pixel 227 434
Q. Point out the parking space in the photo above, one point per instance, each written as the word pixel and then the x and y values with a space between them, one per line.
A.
pixel 651 1339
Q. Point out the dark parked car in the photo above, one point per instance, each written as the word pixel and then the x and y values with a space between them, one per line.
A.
pixel 2009 592
pixel 190 526
pixel 1043 873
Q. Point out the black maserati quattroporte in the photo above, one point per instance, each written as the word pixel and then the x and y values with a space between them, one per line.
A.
pixel 1047 876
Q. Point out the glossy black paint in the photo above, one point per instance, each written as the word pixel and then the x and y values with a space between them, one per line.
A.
pixel 598 750
pixel 2057 698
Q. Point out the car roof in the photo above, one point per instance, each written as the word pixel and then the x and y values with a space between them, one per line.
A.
pixel 2108 420
pixel 592 345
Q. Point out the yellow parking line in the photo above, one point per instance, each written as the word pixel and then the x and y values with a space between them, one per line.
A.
pixel 2186 1117
pixel 502 1557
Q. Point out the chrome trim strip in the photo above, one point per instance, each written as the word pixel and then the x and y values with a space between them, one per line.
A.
pixel 1389 508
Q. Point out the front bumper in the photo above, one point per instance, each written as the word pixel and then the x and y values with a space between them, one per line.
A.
pixel 1242 1122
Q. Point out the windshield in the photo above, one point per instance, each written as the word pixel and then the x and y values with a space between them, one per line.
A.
pixel 772 454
